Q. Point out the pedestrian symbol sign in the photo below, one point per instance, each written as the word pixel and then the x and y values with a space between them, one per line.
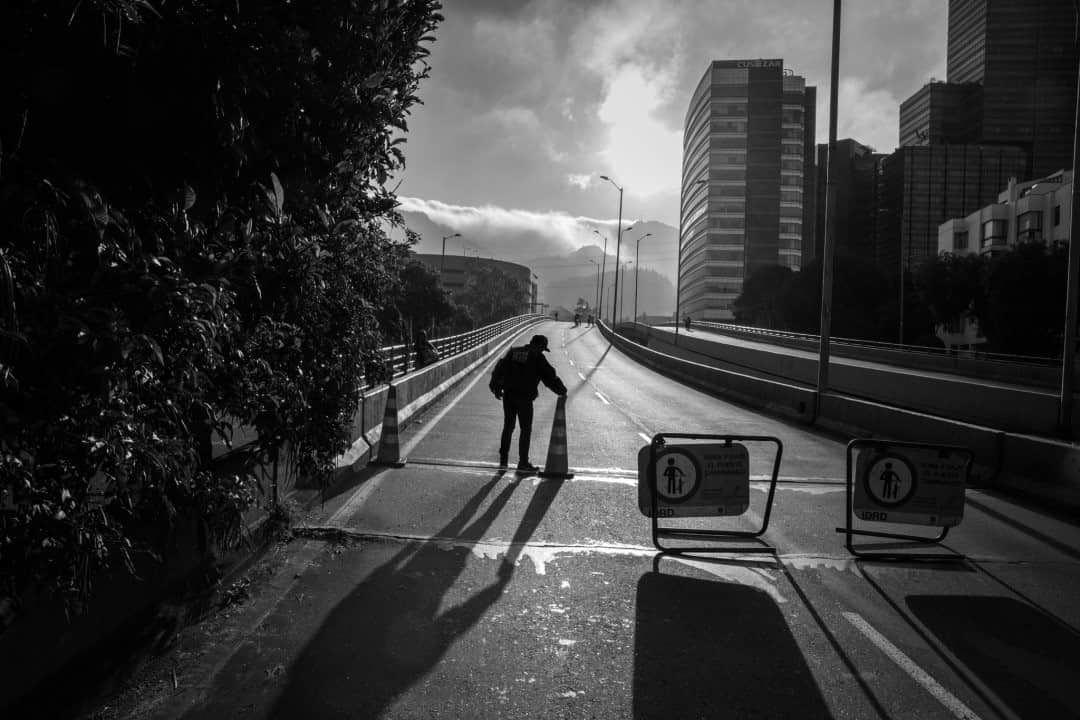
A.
pixel 678 476
pixel 913 485
pixel 890 481
pixel 695 480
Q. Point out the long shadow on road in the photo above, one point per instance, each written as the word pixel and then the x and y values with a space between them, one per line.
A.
pixel 394 627
pixel 704 648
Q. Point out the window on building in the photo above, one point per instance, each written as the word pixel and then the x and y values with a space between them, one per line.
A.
pixel 960 240
pixel 1029 226
pixel 995 232
pixel 1057 215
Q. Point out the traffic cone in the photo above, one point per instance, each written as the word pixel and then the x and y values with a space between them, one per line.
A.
pixel 389 451
pixel 556 465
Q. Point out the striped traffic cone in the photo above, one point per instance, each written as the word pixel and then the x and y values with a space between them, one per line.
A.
pixel 556 465
pixel 389 451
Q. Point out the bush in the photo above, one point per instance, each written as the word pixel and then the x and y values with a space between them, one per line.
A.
pixel 192 214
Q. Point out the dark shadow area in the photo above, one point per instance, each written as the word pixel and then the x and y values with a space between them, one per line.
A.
pixel 1012 522
pixel 1028 660
pixel 390 630
pixel 394 627
pixel 711 649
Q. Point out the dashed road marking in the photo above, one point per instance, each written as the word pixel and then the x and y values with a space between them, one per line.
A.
pixel 581 376
pixel 932 686
pixel 645 437
pixel 606 401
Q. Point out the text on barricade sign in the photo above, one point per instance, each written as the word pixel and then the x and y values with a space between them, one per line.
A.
pixel 915 486
pixel 695 480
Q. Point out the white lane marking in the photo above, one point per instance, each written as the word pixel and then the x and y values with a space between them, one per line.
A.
pixel 571 362
pixel 358 498
pixel 606 401
pixel 932 686
pixel 645 437
pixel 581 376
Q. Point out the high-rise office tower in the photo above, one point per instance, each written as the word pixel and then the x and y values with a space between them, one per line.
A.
pixel 856 189
pixel 1011 80
pixel 747 184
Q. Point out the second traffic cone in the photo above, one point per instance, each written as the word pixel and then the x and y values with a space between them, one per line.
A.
pixel 389 450
pixel 556 465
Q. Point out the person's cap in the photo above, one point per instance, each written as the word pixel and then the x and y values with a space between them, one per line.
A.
pixel 540 341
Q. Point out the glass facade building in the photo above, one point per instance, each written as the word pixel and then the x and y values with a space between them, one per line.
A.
pixel 748 182
pixel 1023 55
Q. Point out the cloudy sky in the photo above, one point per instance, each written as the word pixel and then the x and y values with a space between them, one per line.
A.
pixel 529 101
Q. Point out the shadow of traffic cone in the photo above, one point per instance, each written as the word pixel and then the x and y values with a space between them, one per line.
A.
pixel 556 465
pixel 389 450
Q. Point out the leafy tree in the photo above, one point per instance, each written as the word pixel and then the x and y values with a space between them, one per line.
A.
pixel 950 285
pixel 492 295
pixel 420 302
pixel 759 304
pixel 1025 300
pixel 192 213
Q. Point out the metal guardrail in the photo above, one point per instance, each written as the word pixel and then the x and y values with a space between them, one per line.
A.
pixel 874 344
pixel 401 359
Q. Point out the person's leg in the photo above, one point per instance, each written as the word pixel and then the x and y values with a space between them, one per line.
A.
pixel 509 414
pixel 525 418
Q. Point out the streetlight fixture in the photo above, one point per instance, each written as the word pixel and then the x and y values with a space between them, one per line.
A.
pixel 618 242
pixel 442 260
pixel 637 266
pixel 678 264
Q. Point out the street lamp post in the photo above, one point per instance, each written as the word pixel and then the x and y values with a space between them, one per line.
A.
pixel 442 259
pixel 603 274
pixel 637 266
pixel 618 242
pixel 678 261
pixel 597 282
pixel 622 298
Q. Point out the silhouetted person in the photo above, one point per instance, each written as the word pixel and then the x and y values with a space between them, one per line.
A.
pixel 425 351
pixel 515 380
pixel 687 320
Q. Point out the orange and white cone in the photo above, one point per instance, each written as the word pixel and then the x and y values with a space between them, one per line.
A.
pixel 389 450
pixel 556 465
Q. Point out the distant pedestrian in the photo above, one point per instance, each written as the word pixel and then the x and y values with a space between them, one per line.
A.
pixel 687 320
pixel 590 320
pixel 577 319
pixel 425 351
pixel 514 381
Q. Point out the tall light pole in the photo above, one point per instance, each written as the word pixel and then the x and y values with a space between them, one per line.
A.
pixel 1072 285
pixel 603 274
pixel 618 243
pixel 678 261
pixel 637 266
pixel 597 283
pixel 829 245
pixel 442 259
pixel 622 298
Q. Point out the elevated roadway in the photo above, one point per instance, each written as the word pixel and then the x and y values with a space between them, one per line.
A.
pixel 451 588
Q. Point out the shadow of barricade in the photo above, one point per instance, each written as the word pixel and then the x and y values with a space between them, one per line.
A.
pixel 709 648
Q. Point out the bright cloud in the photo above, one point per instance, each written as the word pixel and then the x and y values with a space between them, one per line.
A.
pixel 870 116
pixel 511 233
pixel 644 155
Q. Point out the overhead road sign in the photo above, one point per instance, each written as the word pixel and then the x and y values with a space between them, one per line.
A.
pixel 683 475
pixel 908 483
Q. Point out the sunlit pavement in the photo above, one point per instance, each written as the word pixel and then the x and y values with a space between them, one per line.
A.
pixel 449 588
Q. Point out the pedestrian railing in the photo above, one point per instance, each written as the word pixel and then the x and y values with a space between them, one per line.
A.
pixel 401 359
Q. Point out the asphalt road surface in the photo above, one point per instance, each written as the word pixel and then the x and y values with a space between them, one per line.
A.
pixel 452 589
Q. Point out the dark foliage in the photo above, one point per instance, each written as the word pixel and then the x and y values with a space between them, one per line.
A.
pixel 1017 297
pixel 192 213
